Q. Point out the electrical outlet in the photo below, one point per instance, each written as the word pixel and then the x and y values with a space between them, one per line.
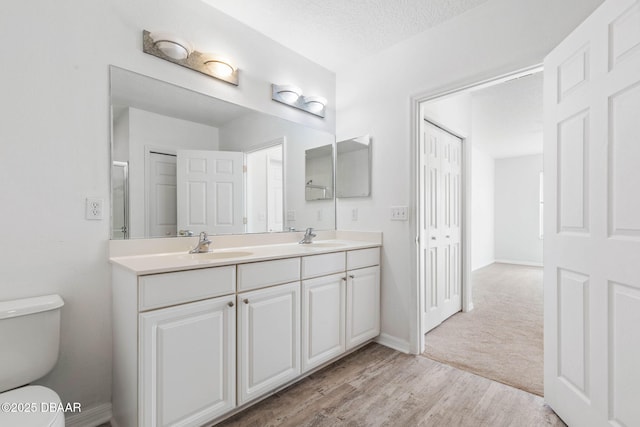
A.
pixel 319 215
pixel 291 215
pixel 354 214
pixel 93 208
pixel 399 213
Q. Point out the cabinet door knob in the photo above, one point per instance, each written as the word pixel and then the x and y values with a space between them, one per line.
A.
pixel 230 304
pixel 344 279
pixel 246 301
pixel 352 276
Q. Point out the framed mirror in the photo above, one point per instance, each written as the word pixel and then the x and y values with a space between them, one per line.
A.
pixel 318 167
pixel 353 167
pixel 184 162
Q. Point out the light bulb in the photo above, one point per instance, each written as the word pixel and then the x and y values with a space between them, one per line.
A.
pixel 289 94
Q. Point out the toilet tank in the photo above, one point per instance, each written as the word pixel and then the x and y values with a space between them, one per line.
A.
pixel 30 337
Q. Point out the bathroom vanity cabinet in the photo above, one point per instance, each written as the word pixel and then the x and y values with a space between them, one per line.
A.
pixel 176 332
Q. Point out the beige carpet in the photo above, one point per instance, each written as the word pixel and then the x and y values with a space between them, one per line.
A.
pixel 502 337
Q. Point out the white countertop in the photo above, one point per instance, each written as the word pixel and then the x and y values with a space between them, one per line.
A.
pixel 178 261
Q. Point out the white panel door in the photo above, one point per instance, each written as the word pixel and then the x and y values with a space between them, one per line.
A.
pixel 323 319
pixel 440 228
pixel 363 305
pixel 268 339
pixel 210 191
pixel 187 370
pixel 161 188
pixel 592 220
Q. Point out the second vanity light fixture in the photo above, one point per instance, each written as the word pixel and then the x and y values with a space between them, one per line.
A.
pixel 292 96
pixel 179 51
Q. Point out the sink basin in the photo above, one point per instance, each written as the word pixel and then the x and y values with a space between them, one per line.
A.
pixel 205 256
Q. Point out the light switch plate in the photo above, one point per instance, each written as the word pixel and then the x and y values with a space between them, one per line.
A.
pixel 399 213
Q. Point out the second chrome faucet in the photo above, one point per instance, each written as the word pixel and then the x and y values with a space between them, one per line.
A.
pixel 203 244
pixel 308 237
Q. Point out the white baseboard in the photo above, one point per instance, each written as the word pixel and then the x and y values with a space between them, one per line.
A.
pixel 91 417
pixel 512 261
pixel 484 265
pixel 394 343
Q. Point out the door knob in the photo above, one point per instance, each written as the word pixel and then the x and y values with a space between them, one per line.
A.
pixel 352 276
pixel 246 301
pixel 230 304
pixel 433 238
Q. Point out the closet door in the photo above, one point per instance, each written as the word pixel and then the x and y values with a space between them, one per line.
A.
pixel 440 228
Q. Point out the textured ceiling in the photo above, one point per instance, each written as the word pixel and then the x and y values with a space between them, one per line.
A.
pixel 507 119
pixel 333 33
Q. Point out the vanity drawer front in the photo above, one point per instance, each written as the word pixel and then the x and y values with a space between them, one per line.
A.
pixel 362 258
pixel 322 265
pixel 161 290
pixel 267 273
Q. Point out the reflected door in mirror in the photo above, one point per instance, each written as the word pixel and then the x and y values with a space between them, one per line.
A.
pixel 265 190
pixel 210 191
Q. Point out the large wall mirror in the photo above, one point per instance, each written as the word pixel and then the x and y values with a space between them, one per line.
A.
pixel 184 162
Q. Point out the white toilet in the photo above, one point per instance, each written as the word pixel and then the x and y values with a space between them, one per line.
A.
pixel 30 340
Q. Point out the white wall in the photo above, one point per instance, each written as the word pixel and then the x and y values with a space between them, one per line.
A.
pixel 517 209
pixel 374 97
pixel 55 146
pixel 482 209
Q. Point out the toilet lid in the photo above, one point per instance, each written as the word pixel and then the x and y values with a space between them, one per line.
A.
pixel 31 406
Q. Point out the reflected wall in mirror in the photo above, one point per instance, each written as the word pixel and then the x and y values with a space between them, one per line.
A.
pixel 184 162
pixel 353 167
pixel 318 167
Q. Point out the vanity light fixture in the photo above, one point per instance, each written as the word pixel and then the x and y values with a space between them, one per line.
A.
pixel 179 51
pixel 219 65
pixel 171 45
pixel 315 103
pixel 292 96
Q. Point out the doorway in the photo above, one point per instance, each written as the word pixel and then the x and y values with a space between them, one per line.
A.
pixel 499 127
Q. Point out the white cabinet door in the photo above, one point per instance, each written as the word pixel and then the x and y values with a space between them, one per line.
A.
pixel 268 339
pixel 187 363
pixel 363 305
pixel 592 220
pixel 323 319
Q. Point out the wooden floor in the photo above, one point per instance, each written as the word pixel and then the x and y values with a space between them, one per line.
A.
pixel 377 386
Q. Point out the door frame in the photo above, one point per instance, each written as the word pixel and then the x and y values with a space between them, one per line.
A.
pixel 281 140
pixel 417 335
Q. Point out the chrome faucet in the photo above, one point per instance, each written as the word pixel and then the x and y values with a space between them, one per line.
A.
pixel 308 237
pixel 203 244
